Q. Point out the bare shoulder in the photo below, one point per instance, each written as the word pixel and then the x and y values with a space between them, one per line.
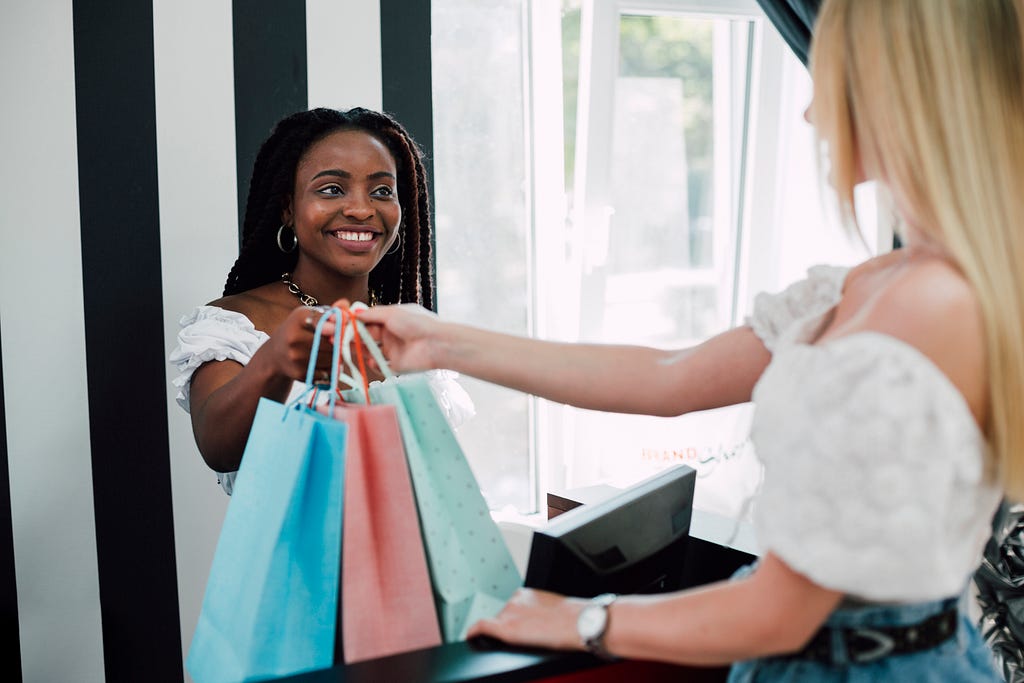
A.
pixel 261 305
pixel 927 301
pixel 930 305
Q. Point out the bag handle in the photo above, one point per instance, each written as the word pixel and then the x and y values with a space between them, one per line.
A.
pixel 339 316
pixel 355 327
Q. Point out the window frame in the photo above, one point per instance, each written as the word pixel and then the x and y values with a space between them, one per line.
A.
pixel 556 250
pixel 599 63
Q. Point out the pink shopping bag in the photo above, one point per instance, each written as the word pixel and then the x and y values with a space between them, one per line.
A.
pixel 387 603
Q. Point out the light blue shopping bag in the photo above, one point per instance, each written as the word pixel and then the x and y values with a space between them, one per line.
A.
pixel 271 598
pixel 471 569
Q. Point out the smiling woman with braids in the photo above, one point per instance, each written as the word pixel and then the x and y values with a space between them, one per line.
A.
pixel 337 208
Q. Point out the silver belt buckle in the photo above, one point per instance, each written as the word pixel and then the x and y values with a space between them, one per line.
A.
pixel 883 645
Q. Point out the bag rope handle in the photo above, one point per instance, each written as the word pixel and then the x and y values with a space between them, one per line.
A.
pixel 357 342
pixel 348 331
pixel 339 317
pixel 356 331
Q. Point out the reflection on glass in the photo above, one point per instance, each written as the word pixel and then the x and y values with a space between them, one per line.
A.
pixel 661 267
pixel 667 271
pixel 658 265
pixel 477 57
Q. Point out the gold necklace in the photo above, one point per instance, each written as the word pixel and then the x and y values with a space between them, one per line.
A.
pixel 308 300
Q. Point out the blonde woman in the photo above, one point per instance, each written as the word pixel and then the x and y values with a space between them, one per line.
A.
pixel 889 411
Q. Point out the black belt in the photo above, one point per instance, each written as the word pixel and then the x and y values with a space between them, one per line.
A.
pixel 865 645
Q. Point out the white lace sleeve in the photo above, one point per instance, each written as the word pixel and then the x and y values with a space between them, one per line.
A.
pixel 455 401
pixel 210 333
pixel 775 313
pixel 873 470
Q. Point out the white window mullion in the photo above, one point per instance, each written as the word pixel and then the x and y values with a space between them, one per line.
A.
pixel 758 238
pixel 591 205
pixel 548 233
pixel 599 57
pixel 727 104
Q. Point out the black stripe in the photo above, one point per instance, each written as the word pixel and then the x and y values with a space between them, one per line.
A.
pixel 405 71
pixel 124 339
pixel 8 582
pixel 270 76
pixel 794 20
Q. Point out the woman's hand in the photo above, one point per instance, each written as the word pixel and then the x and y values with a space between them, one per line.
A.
pixel 287 351
pixel 713 624
pixel 535 618
pixel 407 335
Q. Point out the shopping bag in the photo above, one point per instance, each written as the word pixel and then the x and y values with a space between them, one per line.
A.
pixel 270 605
pixel 471 569
pixel 387 605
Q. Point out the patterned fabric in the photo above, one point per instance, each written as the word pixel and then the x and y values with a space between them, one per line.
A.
pixel 874 480
pixel 210 333
pixel 471 568
pixel 797 311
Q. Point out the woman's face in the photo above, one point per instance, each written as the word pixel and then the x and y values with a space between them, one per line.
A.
pixel 344 207
pixel 860 174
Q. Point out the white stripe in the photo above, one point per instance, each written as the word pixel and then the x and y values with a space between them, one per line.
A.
pixel 343 54
pixel 194 78
pixel 44 348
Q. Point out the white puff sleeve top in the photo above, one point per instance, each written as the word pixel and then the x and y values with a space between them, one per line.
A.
pixel 206 334
pixel 211 333
pixel 874 475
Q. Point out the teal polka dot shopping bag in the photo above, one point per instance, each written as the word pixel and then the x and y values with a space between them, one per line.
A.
pixel 471 569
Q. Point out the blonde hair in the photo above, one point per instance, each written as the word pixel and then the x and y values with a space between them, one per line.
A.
pixel 928 96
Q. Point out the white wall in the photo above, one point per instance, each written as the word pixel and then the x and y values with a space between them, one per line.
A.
pixel 41 292
pixel 41 319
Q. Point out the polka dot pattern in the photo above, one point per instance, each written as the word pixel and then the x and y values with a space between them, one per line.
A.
pixel 471 568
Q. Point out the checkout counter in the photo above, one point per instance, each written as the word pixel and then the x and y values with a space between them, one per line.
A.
pixel 716 548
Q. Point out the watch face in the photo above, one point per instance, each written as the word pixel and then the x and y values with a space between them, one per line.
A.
pixel 591 622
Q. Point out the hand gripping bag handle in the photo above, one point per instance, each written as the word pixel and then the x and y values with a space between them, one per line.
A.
pixel 356 326
pixel 339 317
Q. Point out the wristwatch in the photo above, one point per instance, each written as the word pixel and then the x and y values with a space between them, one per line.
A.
pixel 592 624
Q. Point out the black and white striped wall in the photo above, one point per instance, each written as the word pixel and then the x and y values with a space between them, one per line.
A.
pixel 127 131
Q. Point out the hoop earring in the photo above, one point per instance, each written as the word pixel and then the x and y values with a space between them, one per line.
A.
pixel 398 243
pixel 280 243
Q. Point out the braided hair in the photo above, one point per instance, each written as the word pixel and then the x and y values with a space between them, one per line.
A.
pixel 403 276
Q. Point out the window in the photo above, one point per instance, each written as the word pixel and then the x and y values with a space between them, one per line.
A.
pixel 484 218
pixel 617 171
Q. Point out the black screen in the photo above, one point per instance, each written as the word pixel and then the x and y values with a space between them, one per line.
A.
pixel 633 542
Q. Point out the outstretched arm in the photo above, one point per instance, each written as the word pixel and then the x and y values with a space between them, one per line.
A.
pixel 627 379
pixel 773 611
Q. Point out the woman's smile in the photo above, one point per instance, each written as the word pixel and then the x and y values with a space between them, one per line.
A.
pixel 355 240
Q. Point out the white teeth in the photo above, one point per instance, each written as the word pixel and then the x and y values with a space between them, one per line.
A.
pixel 354 236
